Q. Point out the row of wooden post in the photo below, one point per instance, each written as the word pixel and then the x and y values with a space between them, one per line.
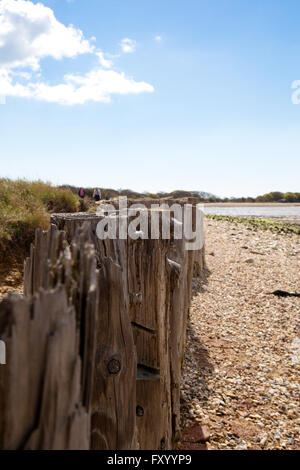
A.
pixel 96 344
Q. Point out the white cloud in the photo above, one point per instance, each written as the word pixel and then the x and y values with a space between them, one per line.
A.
pixel 158 38
pixel 97 85
pixel 106 63
pixel 128 45
pixel 29 32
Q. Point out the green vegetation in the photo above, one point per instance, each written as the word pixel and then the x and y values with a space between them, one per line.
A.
pixel 26 205
pixel 277 196
pixel 274 196
pixel 259 224
pixel 112 193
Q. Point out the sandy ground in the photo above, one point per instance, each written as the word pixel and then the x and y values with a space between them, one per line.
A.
pixel 11 277
pixel 241 376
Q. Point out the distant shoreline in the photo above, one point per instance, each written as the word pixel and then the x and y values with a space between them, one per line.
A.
pixel 251 204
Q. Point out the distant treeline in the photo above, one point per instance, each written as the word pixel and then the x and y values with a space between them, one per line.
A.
pixel 274 196
pixel 111 193
pixel 203 196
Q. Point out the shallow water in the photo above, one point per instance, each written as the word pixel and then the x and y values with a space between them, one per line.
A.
pixel 252 211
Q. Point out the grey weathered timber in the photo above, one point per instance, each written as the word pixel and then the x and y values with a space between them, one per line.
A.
pixel 46 385
pixel 41 403
pixel 96 344
pixel 114 375
pixel 157 278
pixel 114 392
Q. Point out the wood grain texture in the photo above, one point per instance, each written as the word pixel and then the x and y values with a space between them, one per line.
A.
pixel 96 344
pixel 156 284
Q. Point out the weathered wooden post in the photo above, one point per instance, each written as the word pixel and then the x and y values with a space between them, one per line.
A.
pixel 95 346
pixel 156 277
pixel 114 375
pixel 45 387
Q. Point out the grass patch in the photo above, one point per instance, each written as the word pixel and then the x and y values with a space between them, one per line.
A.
pixel 275 226
pixel 25 206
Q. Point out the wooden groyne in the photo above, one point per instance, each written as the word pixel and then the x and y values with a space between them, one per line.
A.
pixel 96 344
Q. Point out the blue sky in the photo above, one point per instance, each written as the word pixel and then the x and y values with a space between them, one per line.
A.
pixel 197 97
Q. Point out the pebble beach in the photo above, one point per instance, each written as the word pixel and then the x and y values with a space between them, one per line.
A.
pixel 240 384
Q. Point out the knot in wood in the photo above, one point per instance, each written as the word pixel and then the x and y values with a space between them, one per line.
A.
pixel 114 366
pixel 162 444
pixel 139 411
pixel 136 298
